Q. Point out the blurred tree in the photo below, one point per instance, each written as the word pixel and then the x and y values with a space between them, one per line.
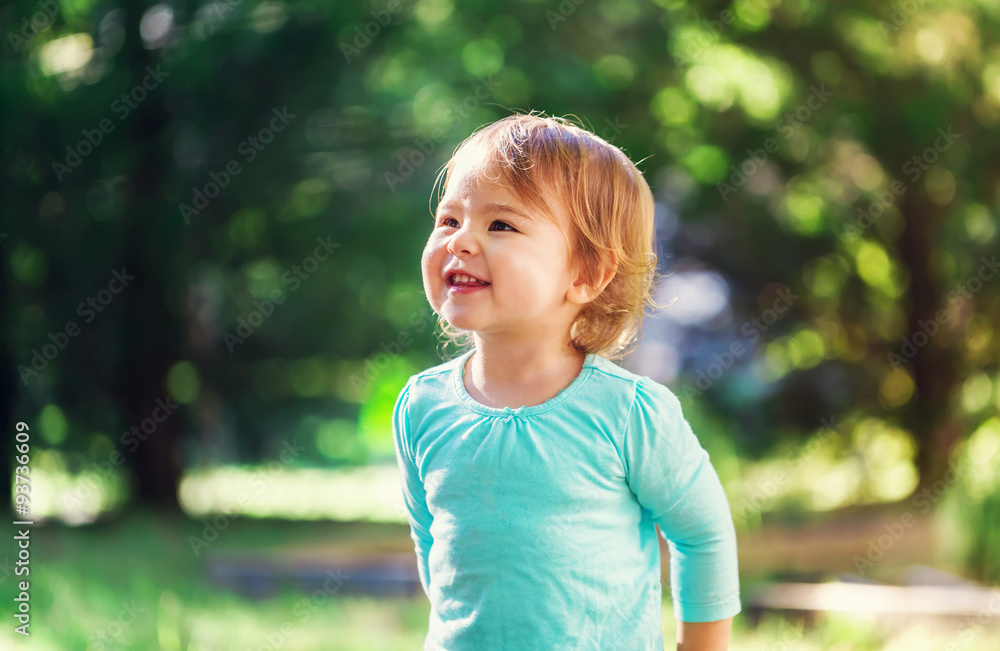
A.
pixel 862 132
pixel 792 139
pixel 153 343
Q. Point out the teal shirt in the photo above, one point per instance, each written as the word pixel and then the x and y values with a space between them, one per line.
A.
pixel 534 527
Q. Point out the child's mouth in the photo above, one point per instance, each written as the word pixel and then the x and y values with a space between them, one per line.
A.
pixel 463 283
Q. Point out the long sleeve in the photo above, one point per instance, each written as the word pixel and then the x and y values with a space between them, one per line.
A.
pixel 671 476
pixel 413 488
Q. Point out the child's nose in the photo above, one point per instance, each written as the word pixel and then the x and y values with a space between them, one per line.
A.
pixel 462 241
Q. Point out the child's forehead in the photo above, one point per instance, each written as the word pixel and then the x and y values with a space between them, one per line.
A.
pixel 475 161
pixel 489 168
pixel 468 177
pixel 481 169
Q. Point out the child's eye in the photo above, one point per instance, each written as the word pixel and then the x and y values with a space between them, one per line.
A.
pixel 444 221
pixel 504 226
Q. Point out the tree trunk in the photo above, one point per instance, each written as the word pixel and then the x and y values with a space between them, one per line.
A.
pixel 933 368
pixel 151 341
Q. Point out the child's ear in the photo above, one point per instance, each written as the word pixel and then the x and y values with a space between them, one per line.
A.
pixel 582 293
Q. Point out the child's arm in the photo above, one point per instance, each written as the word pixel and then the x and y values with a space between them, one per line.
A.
pixel 413 488
pixel 672 477
pixel 704 636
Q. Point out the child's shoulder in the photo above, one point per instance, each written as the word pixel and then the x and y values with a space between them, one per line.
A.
pixel 640 388
pixel 615 373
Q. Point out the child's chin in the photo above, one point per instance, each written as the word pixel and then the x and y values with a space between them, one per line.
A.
pixel 460 321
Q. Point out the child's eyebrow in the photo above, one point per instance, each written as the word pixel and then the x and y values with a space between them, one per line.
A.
pixel 489 208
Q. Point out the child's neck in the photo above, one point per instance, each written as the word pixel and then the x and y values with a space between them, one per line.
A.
pixel 498 376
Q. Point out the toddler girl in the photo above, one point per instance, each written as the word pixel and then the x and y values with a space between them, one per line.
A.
pixel 533 467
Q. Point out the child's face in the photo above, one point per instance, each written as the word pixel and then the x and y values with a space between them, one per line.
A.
pixel 521 257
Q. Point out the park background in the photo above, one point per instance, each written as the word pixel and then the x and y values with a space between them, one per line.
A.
pixel 212 217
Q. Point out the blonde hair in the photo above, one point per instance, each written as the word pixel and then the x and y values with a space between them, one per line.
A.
pixel 610 207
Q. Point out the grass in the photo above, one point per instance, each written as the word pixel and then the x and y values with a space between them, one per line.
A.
pixel 137 584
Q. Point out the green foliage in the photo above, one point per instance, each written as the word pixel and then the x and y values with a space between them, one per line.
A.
pixel 264 171
pixel 971 508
